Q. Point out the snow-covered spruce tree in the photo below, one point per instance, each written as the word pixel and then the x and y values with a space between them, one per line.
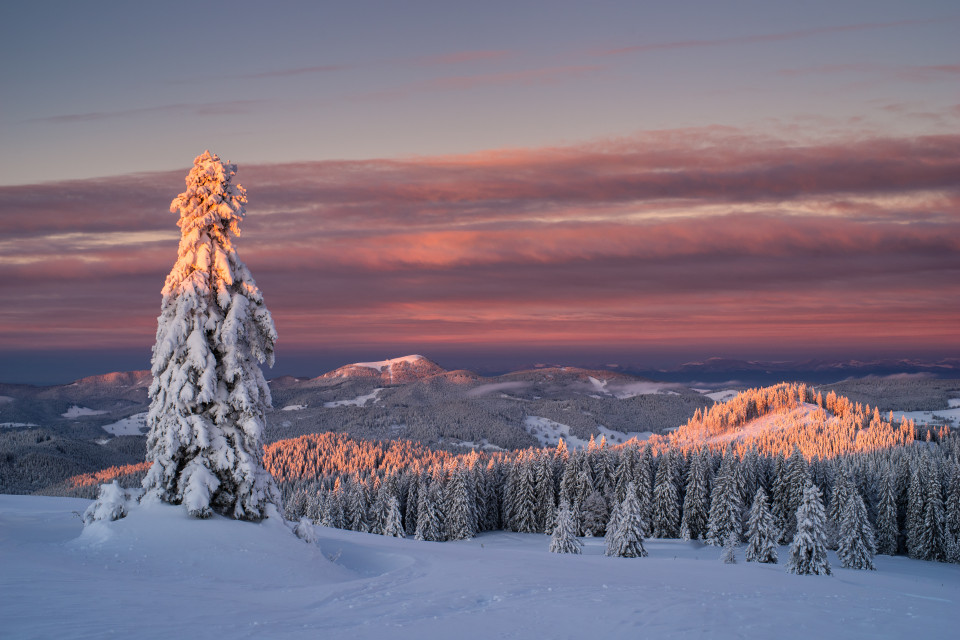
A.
pixel 855 541
pixel 429 523
pixel 797 476
pixel 643 481
pixel 725 505
pixel 808 553
pixel 627 540
pixel 461 521
pixel 932 542
pixel 729 555
pixel 887 530
pixel 693 525
pixel 208 395
pixel 563 539
pixel 838 502
pixel 761 531
pixel 593 514
pixel 666 502
pixel 393 524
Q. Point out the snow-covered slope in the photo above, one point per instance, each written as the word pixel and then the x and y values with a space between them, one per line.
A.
pixel 159 574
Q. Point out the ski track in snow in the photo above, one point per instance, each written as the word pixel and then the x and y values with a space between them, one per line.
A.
pixel 160 574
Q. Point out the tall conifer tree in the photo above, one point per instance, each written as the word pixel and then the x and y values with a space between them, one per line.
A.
pixel 208 396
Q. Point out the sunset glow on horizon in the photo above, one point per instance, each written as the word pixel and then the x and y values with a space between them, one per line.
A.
pixel 826 227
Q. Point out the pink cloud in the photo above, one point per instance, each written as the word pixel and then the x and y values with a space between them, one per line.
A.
pixel 676 236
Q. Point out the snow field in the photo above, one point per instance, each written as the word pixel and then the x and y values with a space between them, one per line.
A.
pixel 161 574
pixel 134 425
pixel 76 411
pixel 549 432
pixel 359 401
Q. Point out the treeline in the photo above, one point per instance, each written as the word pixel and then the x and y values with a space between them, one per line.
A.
pixel 910 496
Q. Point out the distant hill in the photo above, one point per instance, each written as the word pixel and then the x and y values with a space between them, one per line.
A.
pixel 48 434
pixel 395 371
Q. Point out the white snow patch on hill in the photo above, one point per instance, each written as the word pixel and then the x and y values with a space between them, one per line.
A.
pixel 950 416
pixel 359 401
pixel 294 407
pixel 5 399
pixel 16 425
pixel 548 432
pixel 486 389
pixel 379 366
pixel 624 390
pixel 130 426
pixel 619 437
pixel 77 411
pixel 159 574
pixel 722 396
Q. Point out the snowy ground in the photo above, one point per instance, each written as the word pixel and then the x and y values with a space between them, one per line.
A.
pixel 359 401
pixel 549 432
pixel 159 574
pixel 949 416
pixel 76 411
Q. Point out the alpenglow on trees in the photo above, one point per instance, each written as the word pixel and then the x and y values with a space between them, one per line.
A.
pixel 208 395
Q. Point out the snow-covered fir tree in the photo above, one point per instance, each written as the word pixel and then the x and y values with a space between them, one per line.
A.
pixel 726 508
pixel 643 481
pixel 545 494
pixel 932 541
pixel 524 507
pixel 855 541
pixel 413 499
pixel 797 477
pixel 693 525
pixel 208 396
pixel 429 522
pixel 627 539
pixel 808 553
pixel 952 509
pixel 593 514
pixel 838 502
pixel 460 519
pixel 393 524
pixel 563 539
pixel 666 507
pixel 729 555
pixel 887 528
pixel 761 531
pixel 913 524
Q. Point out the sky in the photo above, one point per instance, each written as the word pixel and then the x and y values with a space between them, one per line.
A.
pixel 490 184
